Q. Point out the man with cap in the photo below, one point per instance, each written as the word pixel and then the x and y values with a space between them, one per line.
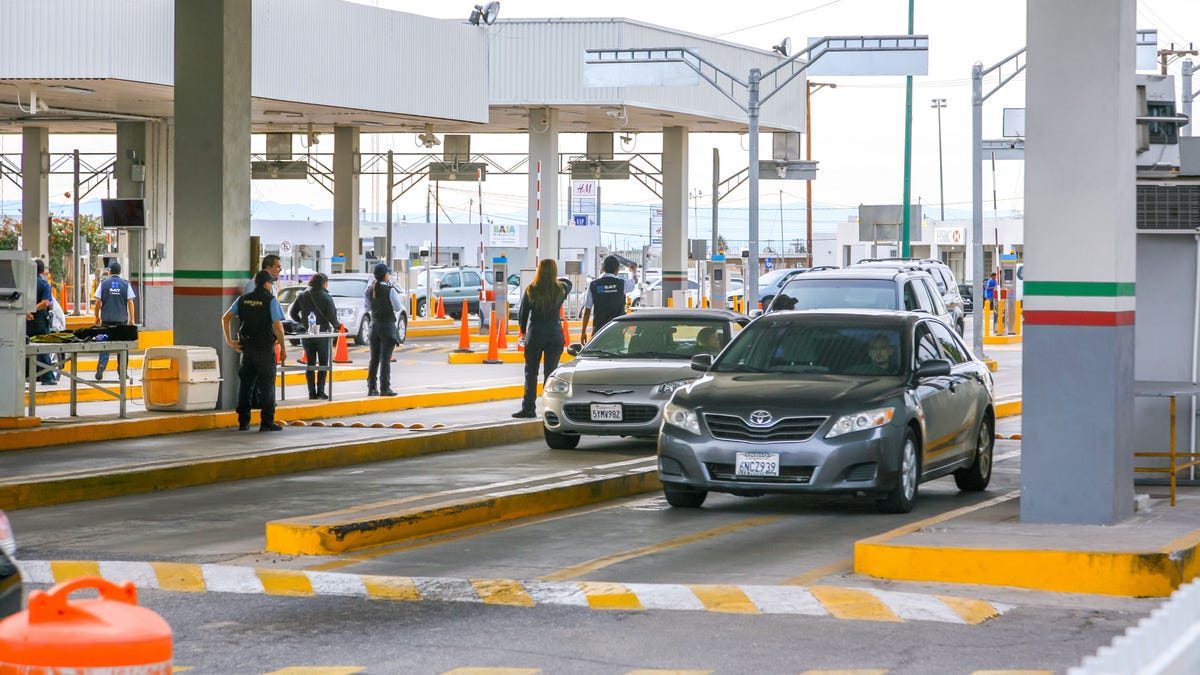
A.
pixel 114 306
pixel 606 295
pixel 382 301
pixel 37 322
pixel 261 328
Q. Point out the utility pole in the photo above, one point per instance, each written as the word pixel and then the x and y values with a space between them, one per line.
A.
pixel 940 103
pixel 1166 56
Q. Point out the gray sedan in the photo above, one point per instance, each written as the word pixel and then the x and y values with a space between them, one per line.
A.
pixel 831 401
pixel 620 381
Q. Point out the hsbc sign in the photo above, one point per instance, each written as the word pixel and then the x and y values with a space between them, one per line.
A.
pixel 950 236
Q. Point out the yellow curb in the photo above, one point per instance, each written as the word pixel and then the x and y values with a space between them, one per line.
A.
pixel 991 364
pixel 1010 408
pixel 136 481
pixel 1139 574
pixel 1002 339
pixel 22 422
pixel 510 356
pixel 373 525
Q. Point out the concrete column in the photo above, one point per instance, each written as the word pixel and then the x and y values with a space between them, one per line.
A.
pixel 675 203
pixel 543 147
pixel 1077 460
pixel 345 197
pixel 131 182
pixel 35 191
pixel 212 176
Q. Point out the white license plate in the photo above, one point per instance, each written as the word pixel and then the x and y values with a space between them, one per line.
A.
pixel 606 412
pixel 757 464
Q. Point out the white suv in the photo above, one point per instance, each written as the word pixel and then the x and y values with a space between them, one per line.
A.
pixel 947 285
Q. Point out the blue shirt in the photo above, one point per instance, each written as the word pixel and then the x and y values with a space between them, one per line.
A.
pixel 276 309
pixel 989 291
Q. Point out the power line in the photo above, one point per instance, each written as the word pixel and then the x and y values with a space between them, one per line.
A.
pixel 782 18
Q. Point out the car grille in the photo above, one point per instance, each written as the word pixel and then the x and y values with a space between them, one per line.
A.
pixel 734 428
pixel 861 472
pixel 800 475
pixel 630 414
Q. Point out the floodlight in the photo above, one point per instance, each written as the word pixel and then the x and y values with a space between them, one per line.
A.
pixel 428 139
pixel 486 13
pixel 784 47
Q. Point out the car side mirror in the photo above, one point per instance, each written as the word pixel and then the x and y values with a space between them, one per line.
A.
pixel 702 362
pixel 574 348
pixel 755 313
pixel 933 368
pixel 444 284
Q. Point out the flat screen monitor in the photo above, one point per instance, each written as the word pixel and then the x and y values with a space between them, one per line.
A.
pixel 123 214
pixel 8 278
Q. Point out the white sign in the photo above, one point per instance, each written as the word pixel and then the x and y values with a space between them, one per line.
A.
pixel 585 201
pixel 950 236
pixel 656 226
pixel 501 234
pixel 285 247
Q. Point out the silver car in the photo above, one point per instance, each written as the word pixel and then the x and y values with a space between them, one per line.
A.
pixel 347 290
pixel 619 382
pixel 10 574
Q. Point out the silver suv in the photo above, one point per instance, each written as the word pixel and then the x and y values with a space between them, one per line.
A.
pixel 347 290
pixel 864 288
pixel 452 285
pixel 947 285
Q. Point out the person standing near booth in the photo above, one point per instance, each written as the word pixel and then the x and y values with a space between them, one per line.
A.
pixel 606 295
pixel 317 301
pixel 989 293
pixel 383 301
pixel 37 322
pixel 114 307
pixel 261 319
pixel 540 325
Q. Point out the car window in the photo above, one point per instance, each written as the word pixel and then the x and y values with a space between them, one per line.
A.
pixel 471 279
pixel 926 345
pixel 347 288
pixel 935 272
pixel 451 280
pixel 659 339
pixel 804 292
pixel 913 297
pixel 789 347
pixel 938 306
pixel 947 279
pixel 952 349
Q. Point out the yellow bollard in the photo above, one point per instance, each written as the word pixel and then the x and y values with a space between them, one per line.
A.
pixel 689 302
pixel 1017 318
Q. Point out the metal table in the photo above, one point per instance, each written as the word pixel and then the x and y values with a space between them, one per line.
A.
pixel 70 351
pixel 284 368
pixel 1171 390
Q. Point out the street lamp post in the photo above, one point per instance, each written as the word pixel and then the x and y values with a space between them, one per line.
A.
pixel 812 86
pixel 940 103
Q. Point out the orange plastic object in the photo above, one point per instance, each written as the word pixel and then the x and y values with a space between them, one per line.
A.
pixel 160 381
pixel 464 333
pixel 493 356
pixel 566 331
pixel 342 353
pixel 94 635
pixel 502 334
pixel 441 308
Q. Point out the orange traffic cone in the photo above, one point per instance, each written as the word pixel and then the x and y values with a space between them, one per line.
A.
pixel 278 353
pixel 502 334
pixel 464 334
pixel 341 354
pixel 566 331
pixel 441 308
pixel 303 356
pixel 493 355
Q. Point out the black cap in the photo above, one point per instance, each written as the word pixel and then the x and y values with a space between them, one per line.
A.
pixel 381 271
pixel 114 267
pixel 262 278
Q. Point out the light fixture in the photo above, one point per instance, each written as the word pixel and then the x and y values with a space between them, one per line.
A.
pixel 485 13
pixel 784 47
pixel 291 114
pixel 367 123
pixel 69 89
pixel 428 139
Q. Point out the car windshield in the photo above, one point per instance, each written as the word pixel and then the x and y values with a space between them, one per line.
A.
pixel 794 348
pixel 771 278
pixel 658 339
pixel 809 293
pixel 435 277
pixel 347 288
pixel 289 294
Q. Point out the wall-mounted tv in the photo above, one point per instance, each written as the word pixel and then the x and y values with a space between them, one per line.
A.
pixel 123 214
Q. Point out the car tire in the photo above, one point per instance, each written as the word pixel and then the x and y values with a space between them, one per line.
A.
pixel 976 477
pixel 363 336
pixel 402 329
pixel 422 308
pixel 560 441
pixel 903 496
pixel 684 497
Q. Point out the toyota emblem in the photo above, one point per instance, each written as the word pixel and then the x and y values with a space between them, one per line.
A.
pixel 760 418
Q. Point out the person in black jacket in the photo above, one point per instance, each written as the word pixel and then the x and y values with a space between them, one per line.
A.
pixel 541 328
pixel 383 301
pixel 316 350
pixel 261 329
pixel 605 295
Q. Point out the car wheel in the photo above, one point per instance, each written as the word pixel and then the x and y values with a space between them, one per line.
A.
pixel 902 497
pixel 422 308
pixel 402 329
pixel 976 477
pixel 364 332
pixel 560 441
pixel 683 497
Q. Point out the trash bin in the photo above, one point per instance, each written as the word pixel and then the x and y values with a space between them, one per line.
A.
pixel 180 377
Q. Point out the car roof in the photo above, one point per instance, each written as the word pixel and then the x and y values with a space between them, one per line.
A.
pixel 867 316
pixel 858 273
pixel 683 315
pixel 351 275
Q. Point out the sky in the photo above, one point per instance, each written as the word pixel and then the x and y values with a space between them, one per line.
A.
pixel 857 127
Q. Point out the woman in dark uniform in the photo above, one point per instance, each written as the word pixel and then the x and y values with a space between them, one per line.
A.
pixel 541 327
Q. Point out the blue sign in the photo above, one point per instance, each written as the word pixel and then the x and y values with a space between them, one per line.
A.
pixel 581 219
pixel 338 258
pixel 1008 257
pixel 768 263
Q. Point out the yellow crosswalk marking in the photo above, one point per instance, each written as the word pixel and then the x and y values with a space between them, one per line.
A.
pixel 850 603
pixel 493 671
pixel 668 672
pixel 285 582
pixel 1013 672
pixel 180 669
pixel 604 595
pixel 179 577
pixel 317 670
pixel 718 598
pixel 391 588
pixel 70 569
pixel 502 592
pixel 972 611
pixel 872 671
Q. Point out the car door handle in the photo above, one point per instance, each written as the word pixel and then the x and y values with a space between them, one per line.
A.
pixel 953 385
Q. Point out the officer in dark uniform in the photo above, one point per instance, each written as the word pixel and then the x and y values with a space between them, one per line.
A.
pixel 605 298
pixel 261 329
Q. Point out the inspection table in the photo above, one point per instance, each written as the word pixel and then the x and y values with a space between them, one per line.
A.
pixel 1176 461
pixel 69 353
pixel 284 368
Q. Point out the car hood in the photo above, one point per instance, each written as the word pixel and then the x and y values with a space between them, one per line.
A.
pixel 630 372
pixel 767 390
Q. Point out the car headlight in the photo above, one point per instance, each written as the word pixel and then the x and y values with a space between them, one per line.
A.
pixel 345 311
pixel 679 416
pixel 667 388
pixel 861 421
pixel 557 385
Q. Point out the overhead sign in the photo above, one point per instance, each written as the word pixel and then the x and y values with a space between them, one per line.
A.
pixel 457 171
pixel 289 170
pixel 950 236
pixel 599 169
pixel 585 201
pixel 504 234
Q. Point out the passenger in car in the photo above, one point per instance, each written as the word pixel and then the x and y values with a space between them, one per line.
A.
pixel 708 341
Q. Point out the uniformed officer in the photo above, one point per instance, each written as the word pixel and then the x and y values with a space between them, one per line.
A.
pixel 261 329
pixel 383 301
pixel 114 307
pixel 607 295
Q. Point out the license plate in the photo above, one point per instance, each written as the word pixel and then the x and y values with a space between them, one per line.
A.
pixel 757 464
pixel 606 412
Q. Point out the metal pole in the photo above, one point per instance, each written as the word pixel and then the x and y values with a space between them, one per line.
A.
pixel 1186 129
pixel 808 156
pixel 76 243
pixel 940 103
pixel 388 237
pixel 751 287
pixel 977 280
pixel 906 250
pixel 716 175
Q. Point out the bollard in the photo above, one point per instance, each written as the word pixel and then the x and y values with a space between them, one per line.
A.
pixel 94 636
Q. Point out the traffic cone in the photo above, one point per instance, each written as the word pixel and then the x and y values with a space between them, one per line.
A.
pixel 464 334
pixel 441 308
pixel 342 353
pixel 502 335
pixel 303 356
pixel 566 331
pixel 278 353
pixel 493 355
